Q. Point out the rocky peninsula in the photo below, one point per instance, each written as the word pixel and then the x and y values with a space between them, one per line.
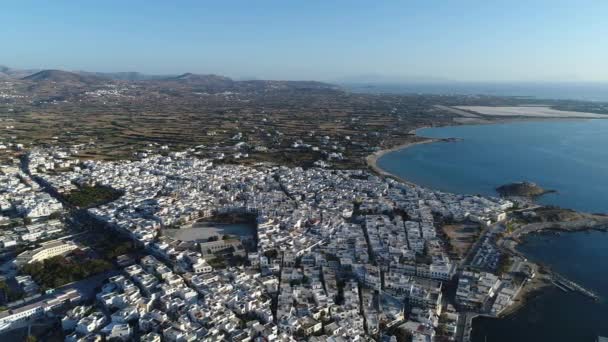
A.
pixel 522 189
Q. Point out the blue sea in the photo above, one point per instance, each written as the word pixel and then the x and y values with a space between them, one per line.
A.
pixel 570 157
pixel 555 315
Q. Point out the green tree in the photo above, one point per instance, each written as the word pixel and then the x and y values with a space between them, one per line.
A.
pixel 271 254
pixel 89 196
pixel 58 271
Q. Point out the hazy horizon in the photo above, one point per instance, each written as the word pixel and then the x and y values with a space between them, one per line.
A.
pixel 467 41
pixel 356 80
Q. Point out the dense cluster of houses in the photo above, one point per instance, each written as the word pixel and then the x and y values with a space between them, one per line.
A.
pixel 486 292
pixel 19 193
pixel 341 255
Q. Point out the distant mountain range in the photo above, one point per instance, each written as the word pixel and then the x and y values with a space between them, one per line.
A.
pixel 60 76
pixel 6 72
pixel 126 76
pixel 65 83
pixel 93 77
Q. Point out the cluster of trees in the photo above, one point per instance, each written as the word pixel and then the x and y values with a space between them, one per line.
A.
pixel 504 264
pixel 112 250
pixel 89 196
pixel 7 295
pixel 271 254
pixel 109 245
pixel 217 262
pixel 58 271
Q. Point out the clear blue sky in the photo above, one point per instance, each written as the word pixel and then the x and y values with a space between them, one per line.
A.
pixel 484 40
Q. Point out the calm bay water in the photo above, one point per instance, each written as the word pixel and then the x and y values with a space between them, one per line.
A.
pixel 568 156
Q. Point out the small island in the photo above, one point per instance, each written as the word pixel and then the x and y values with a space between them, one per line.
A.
pixel 522 189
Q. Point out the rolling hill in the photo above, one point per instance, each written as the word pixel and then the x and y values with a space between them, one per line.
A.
pixel 60 76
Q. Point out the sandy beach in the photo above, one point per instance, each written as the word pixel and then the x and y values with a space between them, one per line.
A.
pixel 372 159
